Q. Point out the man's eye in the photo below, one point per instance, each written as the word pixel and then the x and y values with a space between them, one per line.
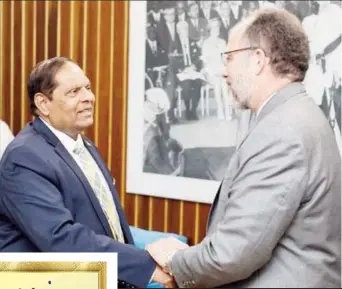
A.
pixel 75 90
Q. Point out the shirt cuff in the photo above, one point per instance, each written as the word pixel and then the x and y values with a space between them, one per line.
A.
pixel 154 272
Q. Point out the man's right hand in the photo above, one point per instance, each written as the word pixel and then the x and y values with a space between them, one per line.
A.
pixel 163 278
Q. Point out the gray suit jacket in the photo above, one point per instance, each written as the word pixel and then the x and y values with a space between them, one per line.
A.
pixel 276 220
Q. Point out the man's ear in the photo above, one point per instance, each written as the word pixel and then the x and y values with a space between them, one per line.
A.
pixel 41 101
pixel 261 60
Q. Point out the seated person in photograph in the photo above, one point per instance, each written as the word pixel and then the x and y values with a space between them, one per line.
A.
pixel 6 136
pixel 56 193
pixel 162 154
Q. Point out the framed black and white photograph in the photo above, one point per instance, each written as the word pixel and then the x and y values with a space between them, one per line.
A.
pixel 182 127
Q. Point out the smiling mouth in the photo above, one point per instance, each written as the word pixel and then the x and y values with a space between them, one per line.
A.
pixel 89 110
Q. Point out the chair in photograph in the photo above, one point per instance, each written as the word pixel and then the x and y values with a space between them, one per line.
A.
pixel 178 111
pixel 161 71
pixel 205 98
pixel 148 81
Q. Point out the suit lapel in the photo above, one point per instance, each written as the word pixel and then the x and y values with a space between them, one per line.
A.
pixel 50 137
pixel 213 206
pixel 64 154
pixel 283 95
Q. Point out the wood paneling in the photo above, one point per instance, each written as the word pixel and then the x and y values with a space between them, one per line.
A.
pixel 94 34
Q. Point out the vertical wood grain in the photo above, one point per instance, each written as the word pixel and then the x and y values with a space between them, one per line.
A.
pixel 6 49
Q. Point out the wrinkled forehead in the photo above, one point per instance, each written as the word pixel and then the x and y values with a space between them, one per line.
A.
pixel 71 74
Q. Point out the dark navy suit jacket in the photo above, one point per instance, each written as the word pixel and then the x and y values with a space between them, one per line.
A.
pixel 47 205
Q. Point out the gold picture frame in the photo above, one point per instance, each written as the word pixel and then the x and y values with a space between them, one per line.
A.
pixel 66 266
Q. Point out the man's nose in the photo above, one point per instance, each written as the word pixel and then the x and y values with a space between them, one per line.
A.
pixel 87 95
pixel 225 73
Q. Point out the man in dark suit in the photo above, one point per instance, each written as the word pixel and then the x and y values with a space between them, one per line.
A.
pixel 154 14
pixel 227 19
pixel 156 56
pixel 56 193
pixel 181 9
pixel 166 31
pixel 186 61
pixel 206 11
pixel 198 27
pixel 167 37
pixel 236 9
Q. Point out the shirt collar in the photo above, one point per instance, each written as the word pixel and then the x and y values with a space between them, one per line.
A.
pixel 69 143
pixel 264 103
pixel 152 42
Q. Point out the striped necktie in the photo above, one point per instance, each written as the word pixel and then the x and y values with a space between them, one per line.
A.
pixel 101 189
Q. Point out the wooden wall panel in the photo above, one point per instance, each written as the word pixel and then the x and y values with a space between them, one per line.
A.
pixel 94 34
pixel 6 50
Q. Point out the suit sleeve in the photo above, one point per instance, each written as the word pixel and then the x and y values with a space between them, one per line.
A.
pixel 259 206
pixel 32 201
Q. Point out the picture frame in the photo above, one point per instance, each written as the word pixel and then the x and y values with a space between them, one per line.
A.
pixel 182 187
pixel 59 269
pixel 194 189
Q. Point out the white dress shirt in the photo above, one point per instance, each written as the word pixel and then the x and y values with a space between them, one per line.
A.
pixel 225 22
pixel 6 136
pixel 195 22
pixel 171 27
pixel 156 16
pixel 70 144
pixel 182 17
pixel 206 13
pixel 153 45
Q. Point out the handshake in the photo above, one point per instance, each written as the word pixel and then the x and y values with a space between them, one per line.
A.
pixel 162 251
